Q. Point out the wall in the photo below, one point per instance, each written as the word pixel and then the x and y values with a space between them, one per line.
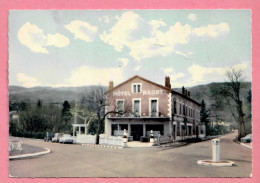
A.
pixel 148 91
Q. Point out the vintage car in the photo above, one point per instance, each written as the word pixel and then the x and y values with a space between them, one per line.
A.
pixel 57 137
pixel 66 138
pixel 48 136
pixel 247 138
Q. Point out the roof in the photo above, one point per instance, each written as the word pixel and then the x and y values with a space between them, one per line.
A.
pixel 139 77
pixel 184 96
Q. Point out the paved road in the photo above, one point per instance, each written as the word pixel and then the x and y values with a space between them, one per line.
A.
pixel 69 160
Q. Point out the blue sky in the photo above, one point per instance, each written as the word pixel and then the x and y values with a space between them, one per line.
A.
pixel 85 47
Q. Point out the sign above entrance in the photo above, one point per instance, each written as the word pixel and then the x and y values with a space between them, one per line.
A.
pixel 144 92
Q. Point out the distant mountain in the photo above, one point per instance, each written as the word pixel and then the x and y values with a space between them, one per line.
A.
pixel 46 94
pixel 205 92
pixel 60 94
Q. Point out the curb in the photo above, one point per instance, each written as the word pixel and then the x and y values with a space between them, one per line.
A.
pixel 241 143
pixel 47 151
pixel 217 164
pixel 101 146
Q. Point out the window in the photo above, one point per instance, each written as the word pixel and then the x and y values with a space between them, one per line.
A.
pixel 120 107
pixel 178 129
pixel 136 88
pixel 154 108
pixel 174 106
pixel 136 107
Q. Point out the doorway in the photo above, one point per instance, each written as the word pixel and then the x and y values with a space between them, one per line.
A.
pixel 136 132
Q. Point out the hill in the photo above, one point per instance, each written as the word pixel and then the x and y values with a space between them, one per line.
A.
pixel 60 94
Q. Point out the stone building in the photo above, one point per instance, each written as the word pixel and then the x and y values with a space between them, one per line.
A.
pixel 139 106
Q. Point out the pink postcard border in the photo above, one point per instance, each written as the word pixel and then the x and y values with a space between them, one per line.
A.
pixel 6 5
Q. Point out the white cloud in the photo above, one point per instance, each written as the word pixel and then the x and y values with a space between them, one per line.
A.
pixel 82 30
pixel 172 74
pixel 87 75
pixel 126 33
pixel 120 34
pixel 124 61
pixel 198 73
pixel 241 66
pixel 156 24
pixel 137 68
pixel 34 38
pixel 167 71
pixel 211 30
pixel 192 17
pixel 27 81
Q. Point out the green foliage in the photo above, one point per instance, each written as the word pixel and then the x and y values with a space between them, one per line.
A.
pixel 204 117
pixel 37 119
pixel 247 108
pixel 13 127
pixel 66 116
pixel 37 135
pixel 93 126
pixel 19 105
pixel 220 130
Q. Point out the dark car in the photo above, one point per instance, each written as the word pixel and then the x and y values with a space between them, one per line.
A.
pixel 48 136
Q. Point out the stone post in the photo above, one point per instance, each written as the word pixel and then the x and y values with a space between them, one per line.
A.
pixel 215 150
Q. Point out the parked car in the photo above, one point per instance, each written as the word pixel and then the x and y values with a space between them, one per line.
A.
pixel 57 137
pixel 247 138
pixel 66 138
pixel 48 136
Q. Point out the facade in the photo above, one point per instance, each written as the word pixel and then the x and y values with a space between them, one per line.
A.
pixel 139 106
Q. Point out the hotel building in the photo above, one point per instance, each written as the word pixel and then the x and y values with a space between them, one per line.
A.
pixel 139 106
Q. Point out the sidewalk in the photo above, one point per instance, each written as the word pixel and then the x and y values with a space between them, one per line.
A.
pixel 28 151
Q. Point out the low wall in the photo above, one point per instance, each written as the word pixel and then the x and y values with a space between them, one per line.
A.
pixel 163 139
pixel 110 140
pixel 15 146
pixel 85 139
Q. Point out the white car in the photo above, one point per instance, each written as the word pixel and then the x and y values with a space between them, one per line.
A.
pixel 56 137
pixel 66 138
pixel 247 138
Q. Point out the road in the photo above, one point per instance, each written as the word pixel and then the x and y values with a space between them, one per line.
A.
pixel 70 160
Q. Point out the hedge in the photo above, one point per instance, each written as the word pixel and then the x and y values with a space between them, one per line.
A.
pixel 36 135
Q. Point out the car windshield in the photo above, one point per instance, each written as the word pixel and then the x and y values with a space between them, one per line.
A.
pixel 248 136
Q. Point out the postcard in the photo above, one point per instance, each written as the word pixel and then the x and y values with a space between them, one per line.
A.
pixel 130 93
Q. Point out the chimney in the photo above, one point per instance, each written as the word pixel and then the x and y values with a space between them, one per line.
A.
pixel 111 85
pixel 188 93
pixel 167 82
pixel 183 89
pixel 185 92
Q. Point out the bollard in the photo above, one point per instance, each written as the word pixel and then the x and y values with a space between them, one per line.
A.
pixel 125 138
pixel 151 137
pixel 215 150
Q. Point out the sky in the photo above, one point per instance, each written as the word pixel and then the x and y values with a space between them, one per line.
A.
pixel 62 48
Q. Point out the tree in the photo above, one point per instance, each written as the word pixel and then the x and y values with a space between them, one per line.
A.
pixel 232 93
pixel 204 117
pixel 39 104
pixel 66 116
pixel 96 101
pixel 248 112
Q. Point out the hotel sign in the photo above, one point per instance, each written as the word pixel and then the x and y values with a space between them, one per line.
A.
pixel 145 92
